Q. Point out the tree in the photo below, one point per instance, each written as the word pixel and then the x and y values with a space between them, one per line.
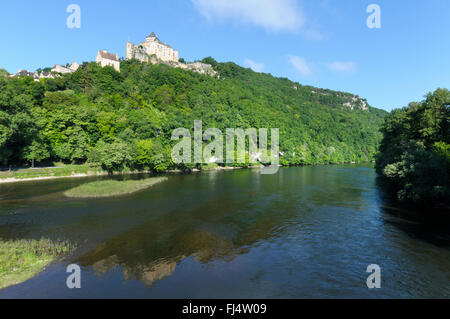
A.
pixel 151 155
pixel 164 97
pixel 414 152
pixel 36 152
pixel 112 157
pixel 73 113
pixel 3 72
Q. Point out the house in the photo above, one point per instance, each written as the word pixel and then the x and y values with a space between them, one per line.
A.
pixel 63 70
pixel 104 59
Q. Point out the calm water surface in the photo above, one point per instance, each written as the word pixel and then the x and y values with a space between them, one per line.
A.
pixel 306 232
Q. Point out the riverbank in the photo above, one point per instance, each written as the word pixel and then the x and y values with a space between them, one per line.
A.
pixel 21 260
pixel 80 171
pixel 51 173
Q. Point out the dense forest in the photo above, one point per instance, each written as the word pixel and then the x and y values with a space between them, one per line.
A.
pixel 414 154
pixel 125 120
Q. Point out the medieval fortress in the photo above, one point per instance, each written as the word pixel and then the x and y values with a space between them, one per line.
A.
pixel 151 46
pixel 152 50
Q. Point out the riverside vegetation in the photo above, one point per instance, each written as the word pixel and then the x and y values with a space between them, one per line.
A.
pixel 112 188
pixel 110 121
pixel 414 154
pixel 115 122
pixel 124 120
pixel 22 259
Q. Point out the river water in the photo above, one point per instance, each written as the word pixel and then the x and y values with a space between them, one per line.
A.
pixel 306 232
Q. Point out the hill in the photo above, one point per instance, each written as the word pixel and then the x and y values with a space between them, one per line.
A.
pixel 126 119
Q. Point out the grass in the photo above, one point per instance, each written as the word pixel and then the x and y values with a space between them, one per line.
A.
pixel 21 260
pixel 51 172
pixel 112 188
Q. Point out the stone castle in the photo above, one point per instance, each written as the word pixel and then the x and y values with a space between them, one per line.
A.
pixel 155 51
pixel 152 50
pixel 151 46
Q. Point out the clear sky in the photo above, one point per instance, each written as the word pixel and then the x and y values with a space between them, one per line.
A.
pixel 324 43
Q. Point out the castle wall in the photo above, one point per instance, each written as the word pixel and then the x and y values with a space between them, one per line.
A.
pixel 152 46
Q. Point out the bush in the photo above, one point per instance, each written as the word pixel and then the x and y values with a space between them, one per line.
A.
pixel 112 157
pixel 414 153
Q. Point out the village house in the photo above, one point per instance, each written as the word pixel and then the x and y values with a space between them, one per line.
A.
pixel 35 75
pixel 104 59
pixel 63 70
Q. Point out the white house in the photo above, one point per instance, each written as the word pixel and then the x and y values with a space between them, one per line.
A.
pixel 104 58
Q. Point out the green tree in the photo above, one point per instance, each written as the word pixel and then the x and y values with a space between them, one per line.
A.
pixel 115 156
pixel 163 97
pixel 414 152
pixel 151 155
pixel 3 72
pixel 36 152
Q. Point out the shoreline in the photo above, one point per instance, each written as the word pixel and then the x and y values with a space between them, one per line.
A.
pixel 12 180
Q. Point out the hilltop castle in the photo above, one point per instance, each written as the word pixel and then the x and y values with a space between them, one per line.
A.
pixel 155 51
pixel 152 51
pixel 151 46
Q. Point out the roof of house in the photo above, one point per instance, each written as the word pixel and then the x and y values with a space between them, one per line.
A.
pixel 108 56
pixel 25 73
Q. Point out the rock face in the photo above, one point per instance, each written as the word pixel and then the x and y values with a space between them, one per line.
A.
pixel 198 67
pixel 347 100
pixel 357 103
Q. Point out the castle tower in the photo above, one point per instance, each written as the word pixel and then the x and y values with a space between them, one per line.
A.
pixel 152 46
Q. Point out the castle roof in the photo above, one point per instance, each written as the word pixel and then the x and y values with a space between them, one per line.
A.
pixel 108 56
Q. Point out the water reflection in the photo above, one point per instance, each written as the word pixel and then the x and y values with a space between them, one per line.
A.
pixel 417 222
pixel 305 232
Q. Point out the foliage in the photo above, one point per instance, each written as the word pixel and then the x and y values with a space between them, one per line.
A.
pixel 20 260
pixel 125 120
pixel 3 72
pixel 115 156
pixel 415 151
pixel 151 155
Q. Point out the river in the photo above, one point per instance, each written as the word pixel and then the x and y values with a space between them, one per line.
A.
pixel 306 232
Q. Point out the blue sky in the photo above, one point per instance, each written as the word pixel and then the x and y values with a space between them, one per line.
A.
pixel 324 43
